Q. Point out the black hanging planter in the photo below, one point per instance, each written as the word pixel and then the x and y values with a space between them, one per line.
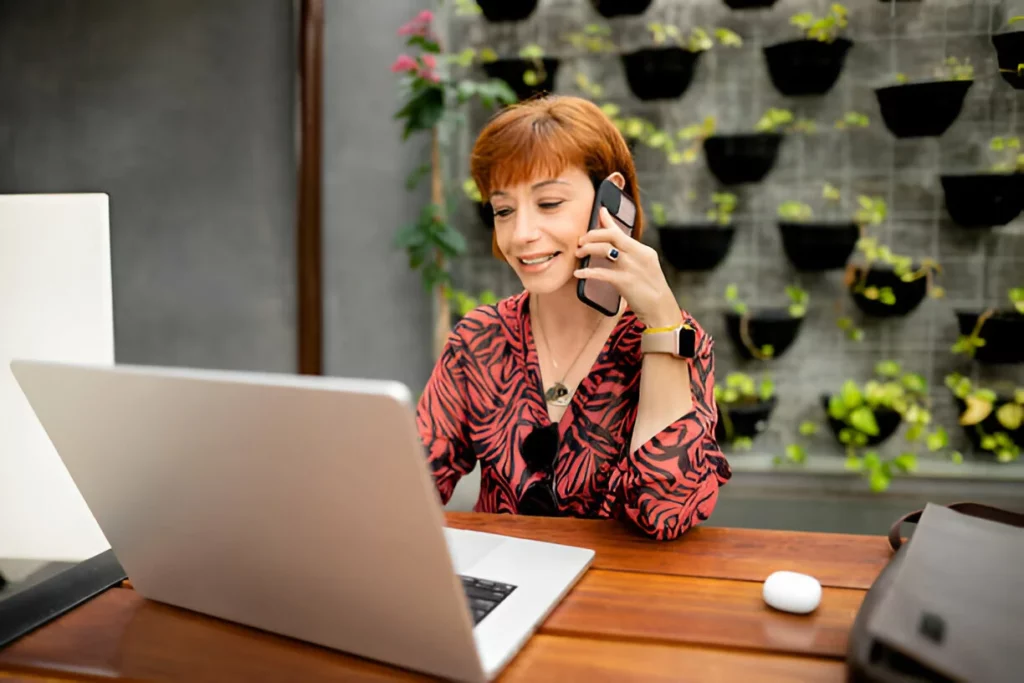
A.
pixel 745 158
pixel 660 73
pixel 1003 332
pixel 620 8
pixel 887 419
pixel 818 247
pixel 1010 55
pixel 749 4
pixel 917 110
pixel 511 71
pixel 773 327
pixel 498 11
pixel 909 295
pixel 806 66
pixel 486 214
pixel 698 247
pixel 982 200
pixel 989 425
pixel 743 420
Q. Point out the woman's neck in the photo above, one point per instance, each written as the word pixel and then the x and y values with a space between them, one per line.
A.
pixel 566 321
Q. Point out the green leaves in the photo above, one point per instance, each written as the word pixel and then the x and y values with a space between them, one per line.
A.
pixel 798 299
pixel 853 119
pixel 423 110
pixel 826 28
pixel 808 428
pixel 863 419
pixel 428 242
pixel 795 211
pixel 1010 415
pixel 870 210
pixel 1016 295
pixel 773 119
pixel 491 92
pixel 733 297
pixel 658 213
pixel 938 440
pixel 725 204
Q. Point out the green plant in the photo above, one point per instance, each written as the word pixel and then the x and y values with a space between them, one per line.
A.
pixel 658 214
pixel 694 134
pixel 852 119
pixel 699 39
pixel 902 266
pixel 431 97
pixel 979 404
pixel 639 130
pixel 741 389
pixel 464 303
pixel 794 211
pixel 588 87
pixel 535 54
pixel 594 38
pixel 798 300
pixel 1011 158
pixel 724 205
pixel 470 189
pixel 775 120
pixel 952 69
pixel 855 408
pixel 825 28
pixel 968 344
pixel 466 8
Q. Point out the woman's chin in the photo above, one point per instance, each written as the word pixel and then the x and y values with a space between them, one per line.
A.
pixel 545 282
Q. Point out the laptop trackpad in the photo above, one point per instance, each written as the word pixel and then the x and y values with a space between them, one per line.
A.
pixel 467 548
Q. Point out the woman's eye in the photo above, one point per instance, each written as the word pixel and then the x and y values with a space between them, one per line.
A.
pixel 501 213
pixel 550 205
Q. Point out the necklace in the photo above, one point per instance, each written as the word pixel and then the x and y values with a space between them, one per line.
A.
pixel 558 394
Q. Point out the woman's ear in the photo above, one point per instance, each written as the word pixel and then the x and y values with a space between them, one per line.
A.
pixel 618 179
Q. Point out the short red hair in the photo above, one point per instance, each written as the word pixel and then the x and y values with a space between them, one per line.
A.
pixel 542 137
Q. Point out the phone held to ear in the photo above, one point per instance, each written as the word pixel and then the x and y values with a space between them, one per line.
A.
pixel 595 293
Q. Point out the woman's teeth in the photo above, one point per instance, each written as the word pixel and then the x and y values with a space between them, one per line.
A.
pixel 539 259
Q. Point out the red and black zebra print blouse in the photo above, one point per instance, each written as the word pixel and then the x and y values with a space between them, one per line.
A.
pixel 484 397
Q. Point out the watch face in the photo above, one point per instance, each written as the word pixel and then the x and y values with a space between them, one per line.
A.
pixel 687 342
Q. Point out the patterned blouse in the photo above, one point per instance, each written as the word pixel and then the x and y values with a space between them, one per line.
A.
pixel 485 397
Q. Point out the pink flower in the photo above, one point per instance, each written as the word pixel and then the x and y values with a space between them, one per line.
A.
pixel 404 63
pixel 431 76
pixel 430 61
pixel 418 26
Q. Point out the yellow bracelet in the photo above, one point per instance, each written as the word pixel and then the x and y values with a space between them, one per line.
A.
pixel 655 330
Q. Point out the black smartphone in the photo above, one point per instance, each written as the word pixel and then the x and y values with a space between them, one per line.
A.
pixel 597 294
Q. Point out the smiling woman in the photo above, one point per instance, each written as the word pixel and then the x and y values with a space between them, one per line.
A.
pixel 569 411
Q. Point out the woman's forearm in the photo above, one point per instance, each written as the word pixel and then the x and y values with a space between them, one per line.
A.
pixel 665 395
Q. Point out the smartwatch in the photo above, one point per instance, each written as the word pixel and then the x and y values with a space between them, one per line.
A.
pixel 680 341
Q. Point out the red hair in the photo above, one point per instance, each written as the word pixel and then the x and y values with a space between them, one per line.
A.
pixel 544 136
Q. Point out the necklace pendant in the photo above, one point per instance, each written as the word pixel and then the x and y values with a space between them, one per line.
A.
pixel 558 395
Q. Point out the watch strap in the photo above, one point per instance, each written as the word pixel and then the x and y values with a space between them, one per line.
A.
pixel 680 341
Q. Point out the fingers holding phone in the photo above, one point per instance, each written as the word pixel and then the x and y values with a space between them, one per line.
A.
pixel 632 268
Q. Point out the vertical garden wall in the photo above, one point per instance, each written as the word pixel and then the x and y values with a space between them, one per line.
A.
pixel 836 193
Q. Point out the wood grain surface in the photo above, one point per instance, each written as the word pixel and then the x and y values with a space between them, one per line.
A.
pixel 625 620
pixel 700 611
pixel 836 560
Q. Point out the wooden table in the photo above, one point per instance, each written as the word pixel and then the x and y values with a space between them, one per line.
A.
pixel 687 610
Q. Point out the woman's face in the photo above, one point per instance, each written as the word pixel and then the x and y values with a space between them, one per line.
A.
pixel 538 224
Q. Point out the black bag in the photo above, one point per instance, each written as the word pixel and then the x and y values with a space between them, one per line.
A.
pixel 949 605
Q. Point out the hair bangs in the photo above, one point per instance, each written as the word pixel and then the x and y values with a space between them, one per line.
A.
pixel 529 148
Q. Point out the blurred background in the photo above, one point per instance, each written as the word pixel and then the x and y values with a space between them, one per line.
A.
pixel 835 191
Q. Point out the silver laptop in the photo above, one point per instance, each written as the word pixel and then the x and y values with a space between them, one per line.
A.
pixel 298 505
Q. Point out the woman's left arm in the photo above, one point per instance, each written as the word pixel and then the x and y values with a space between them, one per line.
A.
pixel 670 478
pixel 674 468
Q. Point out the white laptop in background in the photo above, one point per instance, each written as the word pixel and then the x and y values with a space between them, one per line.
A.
pixel 298 505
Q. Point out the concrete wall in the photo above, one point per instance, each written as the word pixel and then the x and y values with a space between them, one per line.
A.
pixel 183 112
pixel 376 313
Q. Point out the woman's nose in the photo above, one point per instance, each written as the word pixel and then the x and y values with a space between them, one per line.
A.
pixel 524 230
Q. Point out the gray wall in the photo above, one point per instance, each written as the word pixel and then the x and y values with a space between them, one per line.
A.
pixel 376 313
pixel 182 111
pixel 734 86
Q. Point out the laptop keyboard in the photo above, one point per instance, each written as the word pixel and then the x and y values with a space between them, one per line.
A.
pixel 484 596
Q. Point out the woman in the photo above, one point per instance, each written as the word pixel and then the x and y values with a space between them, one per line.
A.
pixel 560 404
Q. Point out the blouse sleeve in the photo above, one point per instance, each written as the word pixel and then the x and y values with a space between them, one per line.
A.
pixel 441 419
pixel 670 483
